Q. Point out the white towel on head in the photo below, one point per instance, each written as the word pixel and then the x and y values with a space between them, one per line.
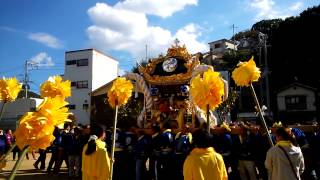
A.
pixel 93 137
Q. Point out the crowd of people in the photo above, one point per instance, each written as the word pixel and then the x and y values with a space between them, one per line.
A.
pixel 164 152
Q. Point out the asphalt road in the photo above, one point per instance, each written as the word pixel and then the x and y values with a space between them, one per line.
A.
pixel 28 172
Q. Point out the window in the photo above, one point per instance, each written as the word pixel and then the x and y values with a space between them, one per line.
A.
pixel 71 106
pixel 73 83
pixel 82 62
pixel 217 46
pixel 82 84
pixel 296 102
pixel 85 106
pixel 72 62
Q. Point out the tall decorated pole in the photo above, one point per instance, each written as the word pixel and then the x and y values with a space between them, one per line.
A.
pixel 118 95
pixel 244 75
pixel 113 140
pixel 207 92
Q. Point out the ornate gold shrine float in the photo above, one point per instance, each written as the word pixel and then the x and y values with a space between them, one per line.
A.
pixel 165 82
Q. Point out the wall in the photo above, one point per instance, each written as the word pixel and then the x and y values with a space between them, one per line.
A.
pixel 229 45
pixel 298 91
pixel 79 73
pixel 14 110
pixel 224 46
pixel 105 69
pixel 100 70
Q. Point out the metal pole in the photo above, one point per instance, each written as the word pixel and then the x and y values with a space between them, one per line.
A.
pixel 234 44
pixel 261 84
pixel 260 114
pixel 113 141
pixel 26 80
pixel 266 69
pixel 146 52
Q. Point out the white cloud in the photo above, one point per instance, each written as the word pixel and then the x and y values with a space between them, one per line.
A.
pixel 9 29
pixel 296 6
pixel 226 22
pixel 188 35
pixel 162 8
pixel 46 39
pixel 268 9
pixel 120 28
pixel 121 72
pixel 42 59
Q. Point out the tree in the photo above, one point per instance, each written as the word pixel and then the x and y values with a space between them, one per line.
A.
pixel 232 58
pixel 267 27
pixel 129 113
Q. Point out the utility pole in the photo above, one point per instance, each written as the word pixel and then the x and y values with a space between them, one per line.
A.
pixel 26 79
pixel 266 72
pixel 233 38
pixel 261 86
pixel 263 43
pixel 146 52
pixel 27 65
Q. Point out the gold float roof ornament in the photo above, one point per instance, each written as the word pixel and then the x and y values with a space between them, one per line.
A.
pixel 175 51
pixel 178 51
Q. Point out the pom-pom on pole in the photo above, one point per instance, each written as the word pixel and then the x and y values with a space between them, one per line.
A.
pixel 118 95
pixel 244 75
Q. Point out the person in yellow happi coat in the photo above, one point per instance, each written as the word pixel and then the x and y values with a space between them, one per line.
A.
pixel 95 159
pixel 204 163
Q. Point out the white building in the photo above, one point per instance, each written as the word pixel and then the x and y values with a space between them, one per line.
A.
pixel 87 69
pixel 297 102
pixel 221 46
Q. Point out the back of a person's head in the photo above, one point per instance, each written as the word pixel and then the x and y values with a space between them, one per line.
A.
pixel 282 132
pixel 66 126
pixel 201 138
pixel 286 135
pixel 97 131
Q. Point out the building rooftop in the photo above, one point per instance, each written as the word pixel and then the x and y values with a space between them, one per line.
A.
pixel 296 85
pixel 91 49
pixel 226 40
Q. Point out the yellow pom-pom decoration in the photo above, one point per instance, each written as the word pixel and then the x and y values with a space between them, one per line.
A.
pixel 36 128
pixel 246 73
pixel 9 89
pixel 120 92
pixel 54 86
pixel 207 90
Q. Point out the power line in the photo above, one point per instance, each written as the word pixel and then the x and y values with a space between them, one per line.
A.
pixel 11 69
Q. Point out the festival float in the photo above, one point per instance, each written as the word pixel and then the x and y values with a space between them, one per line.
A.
pixel 165 83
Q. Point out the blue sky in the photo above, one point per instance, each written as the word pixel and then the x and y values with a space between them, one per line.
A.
pixel 41 31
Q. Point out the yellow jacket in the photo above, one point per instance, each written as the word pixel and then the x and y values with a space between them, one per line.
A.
pixel 204 164
pixel 96 166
